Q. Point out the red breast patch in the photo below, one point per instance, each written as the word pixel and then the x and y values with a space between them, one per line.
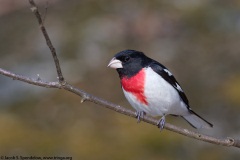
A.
pixel 135 85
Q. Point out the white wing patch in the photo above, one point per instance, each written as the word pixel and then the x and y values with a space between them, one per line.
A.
pixel 168 72
pixel 178 87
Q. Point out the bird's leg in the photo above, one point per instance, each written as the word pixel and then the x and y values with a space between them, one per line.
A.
pixel 139 115
pixel 161 123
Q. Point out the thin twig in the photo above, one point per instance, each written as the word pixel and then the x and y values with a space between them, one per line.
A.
pixel 34 9
pixel 36 82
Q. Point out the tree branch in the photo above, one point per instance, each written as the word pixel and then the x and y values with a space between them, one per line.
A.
pixel 36 82
pixel 34 9
pixel 101 102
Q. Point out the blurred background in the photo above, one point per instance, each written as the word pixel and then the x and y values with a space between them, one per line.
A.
pixel 198 40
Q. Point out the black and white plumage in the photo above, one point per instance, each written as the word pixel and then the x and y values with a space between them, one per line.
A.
pixel 152 89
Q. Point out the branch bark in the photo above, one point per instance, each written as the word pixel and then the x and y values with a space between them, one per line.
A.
pixel 61 84
pixel 34 9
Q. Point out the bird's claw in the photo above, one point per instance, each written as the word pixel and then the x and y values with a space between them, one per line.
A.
pixel 161 123
pixel 140 114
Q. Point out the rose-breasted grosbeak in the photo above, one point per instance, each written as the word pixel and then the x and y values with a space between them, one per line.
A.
pixel 151 88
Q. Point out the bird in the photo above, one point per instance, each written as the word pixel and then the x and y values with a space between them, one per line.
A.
pixel 151 89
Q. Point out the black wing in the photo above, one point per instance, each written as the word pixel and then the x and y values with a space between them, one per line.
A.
pixel 167 75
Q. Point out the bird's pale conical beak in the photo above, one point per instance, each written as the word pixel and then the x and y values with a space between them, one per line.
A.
pixel 115 63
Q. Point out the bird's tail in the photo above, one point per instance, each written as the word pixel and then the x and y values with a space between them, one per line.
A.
pixel 197 121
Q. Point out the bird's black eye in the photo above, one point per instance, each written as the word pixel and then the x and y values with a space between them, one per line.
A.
pixel 127 58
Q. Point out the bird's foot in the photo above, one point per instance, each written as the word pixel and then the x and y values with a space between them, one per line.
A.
pixel 161 123
pixel 140 114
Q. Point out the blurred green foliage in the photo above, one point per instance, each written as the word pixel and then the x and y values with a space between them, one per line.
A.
pixel 197 40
